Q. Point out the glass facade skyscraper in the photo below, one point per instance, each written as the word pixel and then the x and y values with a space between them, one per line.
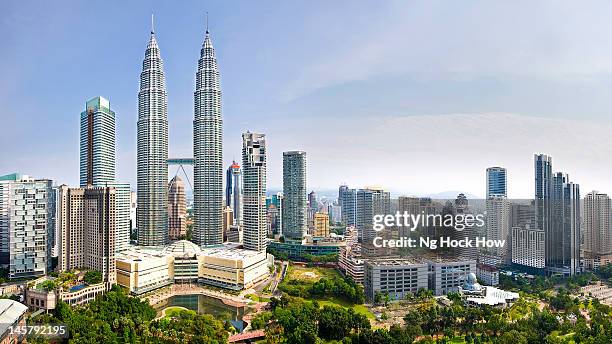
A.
pixel 295 212
pixel 152 150
pixel 497 182
pixel 233 191
pixel 97 158
pixel 557 210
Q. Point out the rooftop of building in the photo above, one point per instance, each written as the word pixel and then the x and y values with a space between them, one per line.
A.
pixel 489 268
pixel 392 261
pixel 182 248
pixel 10 312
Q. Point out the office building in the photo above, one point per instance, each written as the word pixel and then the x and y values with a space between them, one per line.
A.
pixel 177 209
pixel 228 220
pixel 347 200
pixel 97 157
pixel 98 162
pixel 143 269
pixel 335 213
pixel 498 226
pixel 447 275
pixel 597 230
pixel 133 206
pixel 557 209
pixel 497 185
pixel 235 234
pixel 295 214
pixel 208 150
pixel 522 214
pixel 254 197
pixel 370 202
pixel 233 191
pixel 395 277
pixel 86 223
pixel 321 225
pixel 152 150
pixel 26 224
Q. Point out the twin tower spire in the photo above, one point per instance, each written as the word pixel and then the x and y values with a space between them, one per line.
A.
pixel 152 149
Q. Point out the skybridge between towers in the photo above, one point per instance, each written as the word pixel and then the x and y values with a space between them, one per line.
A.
pixel 181 162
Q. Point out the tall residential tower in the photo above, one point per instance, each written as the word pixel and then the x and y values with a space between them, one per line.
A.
pixel 254 165
pixel 208 150
pixel 152 155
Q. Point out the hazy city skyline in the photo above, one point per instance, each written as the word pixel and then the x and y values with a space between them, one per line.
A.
pixel 414 97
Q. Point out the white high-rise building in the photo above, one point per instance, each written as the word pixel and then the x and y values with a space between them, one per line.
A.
pixel 152 153
pixel 208 150
pixel 528 246
pixel 597 230
pixel 26 222
pixel 498 226
pixel 254 197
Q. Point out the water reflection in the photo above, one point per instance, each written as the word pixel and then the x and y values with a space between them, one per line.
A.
pixel 206 305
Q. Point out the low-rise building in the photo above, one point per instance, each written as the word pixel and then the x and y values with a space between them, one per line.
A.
pixel 12 314
pixel 37 297
pixel 142 269
pixel 475 294
pixel 316 246
pixel 396 277
pixel 446 275
pixel 487 274
pixel 351 263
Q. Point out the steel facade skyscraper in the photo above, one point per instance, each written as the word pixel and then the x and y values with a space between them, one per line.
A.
pixel 254 167
pixel 152 155
pixel 557 210
pixel 295 213
pixel 208 150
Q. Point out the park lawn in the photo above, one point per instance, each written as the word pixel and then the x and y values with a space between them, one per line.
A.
pixel 458 340
pixel 258 298
pixel 173 311
pixel 359 309
pixel 310 274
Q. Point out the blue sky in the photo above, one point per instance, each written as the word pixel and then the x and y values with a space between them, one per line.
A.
pixel 416 96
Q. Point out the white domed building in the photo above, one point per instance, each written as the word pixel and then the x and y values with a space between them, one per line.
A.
pixel 476 294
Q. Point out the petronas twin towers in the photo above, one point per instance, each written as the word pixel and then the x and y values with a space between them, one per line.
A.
pixel 152 155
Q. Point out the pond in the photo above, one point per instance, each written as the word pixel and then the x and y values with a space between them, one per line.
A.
pixel 206 305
